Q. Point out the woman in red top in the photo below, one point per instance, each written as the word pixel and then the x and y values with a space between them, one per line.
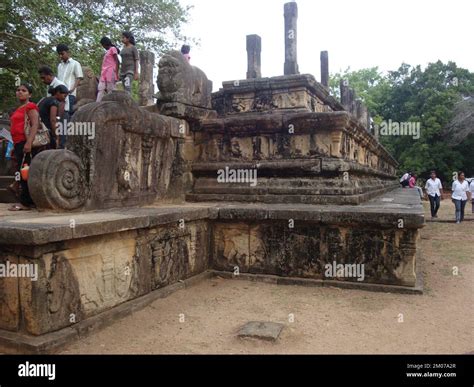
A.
pixel 22 144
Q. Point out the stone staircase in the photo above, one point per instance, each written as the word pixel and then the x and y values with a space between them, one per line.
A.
pixel 5 195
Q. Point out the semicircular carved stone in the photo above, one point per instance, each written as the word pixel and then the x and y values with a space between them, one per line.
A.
pixel 56 181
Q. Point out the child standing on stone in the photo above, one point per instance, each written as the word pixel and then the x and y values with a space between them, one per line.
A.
pixel 130 60
pixel 110 68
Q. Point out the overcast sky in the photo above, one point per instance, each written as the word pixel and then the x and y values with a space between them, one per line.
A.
pixel 357 33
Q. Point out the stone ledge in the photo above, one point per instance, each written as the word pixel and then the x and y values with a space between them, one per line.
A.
pixel 43 228
pixel 293 281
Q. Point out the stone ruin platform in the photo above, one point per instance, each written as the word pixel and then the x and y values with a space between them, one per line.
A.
pixel 139 210
pixel 116 261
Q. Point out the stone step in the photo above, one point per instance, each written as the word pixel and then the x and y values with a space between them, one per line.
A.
pixel 5 181
pixel 6 196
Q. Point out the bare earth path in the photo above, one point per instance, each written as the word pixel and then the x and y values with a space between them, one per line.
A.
pixel 317 320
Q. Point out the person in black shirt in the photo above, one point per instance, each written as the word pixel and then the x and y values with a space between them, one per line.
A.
pixel 49 108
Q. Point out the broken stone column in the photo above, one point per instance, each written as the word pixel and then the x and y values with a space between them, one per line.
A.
pixel 344 88
pixel 352 101
pixel 291 17
pixel 362 114
pixel 254 49
pixel 324 69
pixel 146 90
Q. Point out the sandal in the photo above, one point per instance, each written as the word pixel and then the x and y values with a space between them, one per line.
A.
pixel 19 207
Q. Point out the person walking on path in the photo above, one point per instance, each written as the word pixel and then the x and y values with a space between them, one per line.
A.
pixel 460 189
pixel 110 69
pixel 471 188
pixel 434 190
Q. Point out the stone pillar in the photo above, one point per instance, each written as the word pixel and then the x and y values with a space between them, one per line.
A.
pixel 352 101
pixel 344 89
pixel 291 17
pixel 362 114
pixel 146 90
pixel 324 69
pixel 254 49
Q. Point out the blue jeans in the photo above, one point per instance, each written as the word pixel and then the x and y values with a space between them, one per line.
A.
pixel 459 205
pixel 434 204
pixel 72 102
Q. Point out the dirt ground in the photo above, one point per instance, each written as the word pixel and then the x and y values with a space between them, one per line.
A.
pixel 205 318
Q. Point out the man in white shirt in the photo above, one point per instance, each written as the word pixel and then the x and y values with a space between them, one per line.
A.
pixel 69 72
pixel 434 190
pixel 460 190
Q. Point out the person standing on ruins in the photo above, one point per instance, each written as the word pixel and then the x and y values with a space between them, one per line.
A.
pixel 405 180
pixel 48 111
pixel 69 72
pixel 434 190
pixel 130 60
pixel 460 189
pixel 412 184
pixel 24 117
pixel 110 68
pixel 185 50
pixel 49 79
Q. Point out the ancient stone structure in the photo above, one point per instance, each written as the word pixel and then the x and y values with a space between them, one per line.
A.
pixel 325 69
pixel 147 64
pixel 272 176
pixel 87 89
pixel 185 91
pixel 291 52
pixel 254 49
pixel 85 177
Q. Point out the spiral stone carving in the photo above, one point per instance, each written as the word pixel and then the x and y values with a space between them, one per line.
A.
pixel 57 181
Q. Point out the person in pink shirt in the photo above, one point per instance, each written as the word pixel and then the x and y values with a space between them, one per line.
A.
pixel 110 68
pixel 412 184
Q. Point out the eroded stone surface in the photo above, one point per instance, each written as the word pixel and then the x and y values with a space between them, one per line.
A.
pixel 268 331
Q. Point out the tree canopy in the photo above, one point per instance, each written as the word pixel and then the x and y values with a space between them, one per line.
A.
pixel 439 97
pixel 30 31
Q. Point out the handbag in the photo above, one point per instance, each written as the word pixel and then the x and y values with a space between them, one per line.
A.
pixel 42 137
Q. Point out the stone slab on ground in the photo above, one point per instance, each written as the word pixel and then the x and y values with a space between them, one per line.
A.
pixel 262 330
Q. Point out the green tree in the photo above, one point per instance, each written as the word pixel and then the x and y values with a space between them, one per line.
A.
pixel 434 98
pixel 31 30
